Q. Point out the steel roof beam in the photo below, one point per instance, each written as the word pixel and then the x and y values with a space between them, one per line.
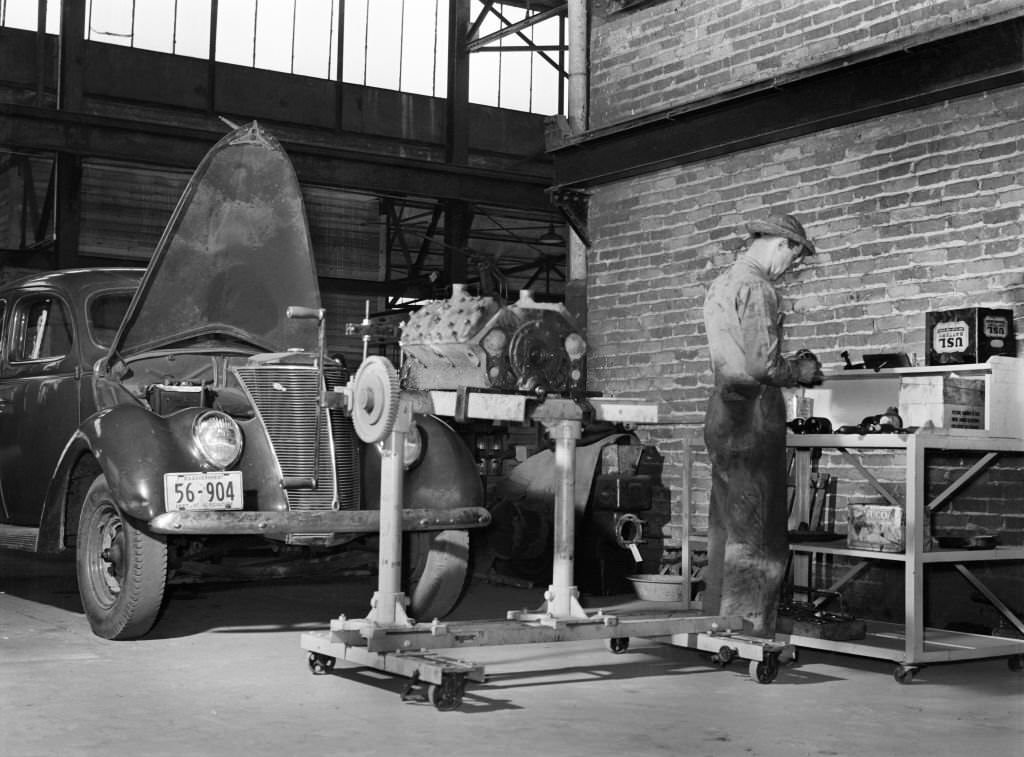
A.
pixel 30 128
pixel 913 73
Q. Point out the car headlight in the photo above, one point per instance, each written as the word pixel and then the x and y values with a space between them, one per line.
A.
pixel 218 438
pixel 412 450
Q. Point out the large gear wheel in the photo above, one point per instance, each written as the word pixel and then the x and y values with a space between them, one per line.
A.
pixel 375 398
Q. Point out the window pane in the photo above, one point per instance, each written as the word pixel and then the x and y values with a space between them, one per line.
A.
pixel 354 65
pixel 154 26
pixel 192 29
pixel 274 35
pixel 109 21
pixel 316 34
pixel 105 315
pixel 45 330
pixel 418 54
pixel 383 44
pixel 235 28
pixel 23 14
pixel 483 78
pixel 546 81
pixel 515 80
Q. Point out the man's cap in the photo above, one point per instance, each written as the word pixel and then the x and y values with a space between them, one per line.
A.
pixel 782 225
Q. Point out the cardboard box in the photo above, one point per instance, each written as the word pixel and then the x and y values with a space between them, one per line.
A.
pixel 968 335
pixel 875 527
pixel 942 401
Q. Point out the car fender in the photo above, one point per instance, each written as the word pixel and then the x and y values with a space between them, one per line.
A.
pixel 134 448
pixel 446 476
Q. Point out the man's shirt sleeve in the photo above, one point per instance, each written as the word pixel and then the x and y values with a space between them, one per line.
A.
pixel 757 307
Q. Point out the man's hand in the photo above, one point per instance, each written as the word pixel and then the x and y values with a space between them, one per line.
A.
pixel 807 368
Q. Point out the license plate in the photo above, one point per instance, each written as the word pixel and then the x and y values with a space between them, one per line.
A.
pixel 203 491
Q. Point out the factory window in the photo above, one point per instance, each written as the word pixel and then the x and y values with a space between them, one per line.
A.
pixel 391 44
pixel 24 14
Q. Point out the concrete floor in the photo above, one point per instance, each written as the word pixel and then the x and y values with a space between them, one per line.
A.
pixel 224 674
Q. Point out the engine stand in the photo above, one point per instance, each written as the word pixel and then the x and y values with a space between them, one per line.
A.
pixel 386 639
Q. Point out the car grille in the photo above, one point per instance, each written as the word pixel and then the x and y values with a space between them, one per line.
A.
pixel 286 398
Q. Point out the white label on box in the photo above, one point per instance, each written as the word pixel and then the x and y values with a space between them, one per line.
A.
pixel 995 327
pixel 953 336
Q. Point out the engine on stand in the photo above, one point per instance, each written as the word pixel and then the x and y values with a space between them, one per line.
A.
pixel 477 344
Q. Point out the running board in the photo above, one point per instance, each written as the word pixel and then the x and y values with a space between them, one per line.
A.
pixel 19 537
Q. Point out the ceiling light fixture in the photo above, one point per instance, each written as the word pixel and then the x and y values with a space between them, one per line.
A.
pixel 551 237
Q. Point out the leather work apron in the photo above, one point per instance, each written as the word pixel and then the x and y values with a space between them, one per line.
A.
pixel 748 549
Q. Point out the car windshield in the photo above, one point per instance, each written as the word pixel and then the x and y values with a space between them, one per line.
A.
pixel 106 311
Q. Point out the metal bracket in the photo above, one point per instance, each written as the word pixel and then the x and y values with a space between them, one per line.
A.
pixel 574 206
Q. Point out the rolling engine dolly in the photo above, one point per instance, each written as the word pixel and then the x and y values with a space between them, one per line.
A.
pixel 386 639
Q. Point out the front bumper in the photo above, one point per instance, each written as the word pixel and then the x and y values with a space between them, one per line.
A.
pixel 259 523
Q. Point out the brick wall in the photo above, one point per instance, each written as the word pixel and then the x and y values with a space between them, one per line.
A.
pixel 912 212
pixel 671 53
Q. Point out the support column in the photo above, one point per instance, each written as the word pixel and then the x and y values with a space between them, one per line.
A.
pixel 388 603
pixel 562 596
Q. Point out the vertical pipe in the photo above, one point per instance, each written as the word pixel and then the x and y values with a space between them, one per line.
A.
pixel 211 62
pixel 802 504
pixel 562 592
pixel 255 27
pixel 295 19
pixel 913 577
pixel 40 51
pixel 339 68
pixel 683 531
pixel 457 99
pixel 578 117
pixel 577 66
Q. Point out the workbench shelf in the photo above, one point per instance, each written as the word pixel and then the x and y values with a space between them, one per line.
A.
pixel 910 644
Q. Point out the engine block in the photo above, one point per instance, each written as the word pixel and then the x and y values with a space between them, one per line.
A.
pixel 469 341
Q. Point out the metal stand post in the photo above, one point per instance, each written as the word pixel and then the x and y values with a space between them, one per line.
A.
pixel 387 606
pixel 562 597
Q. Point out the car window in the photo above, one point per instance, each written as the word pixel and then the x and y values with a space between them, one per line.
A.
pixel 106 311
pixel 43 329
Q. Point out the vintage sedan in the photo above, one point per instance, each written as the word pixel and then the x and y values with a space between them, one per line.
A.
pixel 149 416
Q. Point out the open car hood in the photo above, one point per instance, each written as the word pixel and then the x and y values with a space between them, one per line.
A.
pixel 235 254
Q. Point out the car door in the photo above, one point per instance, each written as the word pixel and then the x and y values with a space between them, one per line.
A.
pixel 39 400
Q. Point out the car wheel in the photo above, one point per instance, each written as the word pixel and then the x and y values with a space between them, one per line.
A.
pixel 122 570
pixel 437 568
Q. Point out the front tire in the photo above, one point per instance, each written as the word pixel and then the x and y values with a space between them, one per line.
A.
pixel 438 565
pixel 122 570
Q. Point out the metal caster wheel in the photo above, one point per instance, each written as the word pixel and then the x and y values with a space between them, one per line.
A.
pixel 320 664
pixel 904 673
pixel 447 695
pixel 618 644
pixel 1015 662
pixel 724 656
pixel 766 670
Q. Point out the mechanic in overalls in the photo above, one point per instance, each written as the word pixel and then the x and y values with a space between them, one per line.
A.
pixel 745 426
